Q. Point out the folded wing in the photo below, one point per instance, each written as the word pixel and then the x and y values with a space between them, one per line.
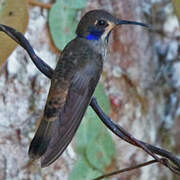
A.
pixel 55 133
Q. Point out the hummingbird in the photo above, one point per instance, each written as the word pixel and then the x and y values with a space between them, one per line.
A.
pixel 73 83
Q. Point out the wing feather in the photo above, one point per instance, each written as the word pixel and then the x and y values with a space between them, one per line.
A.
pixel 55 102
pixel 70 93
pixel 70 117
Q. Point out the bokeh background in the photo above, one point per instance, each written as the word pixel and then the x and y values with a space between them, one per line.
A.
pixel 139 89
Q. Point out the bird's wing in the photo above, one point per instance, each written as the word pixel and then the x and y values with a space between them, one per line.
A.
pixel 63 129
pixel 54 105
pixel 57 130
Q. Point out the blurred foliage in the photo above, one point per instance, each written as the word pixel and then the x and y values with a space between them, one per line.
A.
pixel 62 21
pixel 94 145
pixel 83 171
pixel 71 5
pixel 13 13
pixel 176 4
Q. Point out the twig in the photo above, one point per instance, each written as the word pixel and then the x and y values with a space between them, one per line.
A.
pixel 22 41
pixel 120 132
pixel 40 4
pixel 116 129
pixel 126 169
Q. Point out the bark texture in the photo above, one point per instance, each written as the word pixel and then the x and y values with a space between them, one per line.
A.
pixel 141 77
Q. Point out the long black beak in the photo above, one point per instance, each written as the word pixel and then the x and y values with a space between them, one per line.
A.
pixel 120 22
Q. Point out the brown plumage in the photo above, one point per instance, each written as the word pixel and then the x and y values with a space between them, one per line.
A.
pixel 73 83
pixel 69 95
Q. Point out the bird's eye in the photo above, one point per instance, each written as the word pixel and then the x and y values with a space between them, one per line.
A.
pixel 102 23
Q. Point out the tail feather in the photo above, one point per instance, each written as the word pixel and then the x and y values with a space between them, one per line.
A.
pixel 41 140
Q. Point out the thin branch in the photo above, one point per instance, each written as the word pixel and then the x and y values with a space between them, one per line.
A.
pixel 23 42
pixel 120 132
pixel 40 4
pixel 116 129
pixel 126 169
pixel 131 168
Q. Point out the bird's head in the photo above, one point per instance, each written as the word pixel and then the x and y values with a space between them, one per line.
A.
pixel 98 24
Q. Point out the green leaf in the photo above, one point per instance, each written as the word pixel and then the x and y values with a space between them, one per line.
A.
pixel 62 24
pixel 91 124
pixel 101 151
pixel 82 171
pixel 87 131
pixel 102 99
pixel 93 142
pixel 78 4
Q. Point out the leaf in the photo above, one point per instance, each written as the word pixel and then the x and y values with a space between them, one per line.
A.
pixel 87 131
pixel 93 142
pixel 70 3
pixel 82 171
pixel 176 4
pixel 91 124
pixel 101 151
pixel 62 24
pixel 102 98
pixel 15 14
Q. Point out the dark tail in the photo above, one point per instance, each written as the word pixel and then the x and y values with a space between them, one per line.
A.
pixel 41 140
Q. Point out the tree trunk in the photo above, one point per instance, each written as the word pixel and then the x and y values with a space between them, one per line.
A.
pixel 140 77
